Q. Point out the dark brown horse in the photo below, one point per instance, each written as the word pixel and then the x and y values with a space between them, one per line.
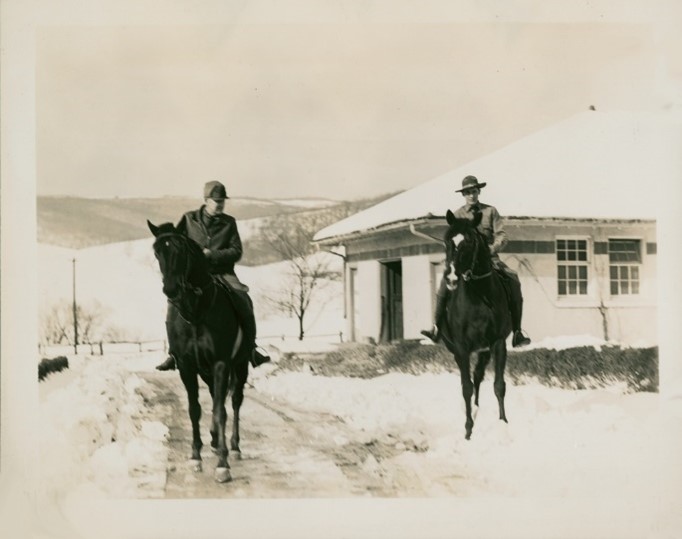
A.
pixel 477 322
pixel 204 335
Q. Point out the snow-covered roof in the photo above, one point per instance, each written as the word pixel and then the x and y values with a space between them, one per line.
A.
pixel 596 165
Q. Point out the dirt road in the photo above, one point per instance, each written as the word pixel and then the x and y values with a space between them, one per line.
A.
pixel 288 452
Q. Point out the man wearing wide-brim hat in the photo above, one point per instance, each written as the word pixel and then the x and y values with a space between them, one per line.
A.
pixel 492 228
pixel 216 233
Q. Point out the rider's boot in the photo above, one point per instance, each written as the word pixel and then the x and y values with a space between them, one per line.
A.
pixel 168 364
pixel 259 357
pixel 516 308
pixel 434 333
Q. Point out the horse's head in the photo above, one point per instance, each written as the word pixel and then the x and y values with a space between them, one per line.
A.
pixel 180 259
pixel 467 252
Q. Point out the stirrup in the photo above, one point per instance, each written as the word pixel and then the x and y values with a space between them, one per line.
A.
pixel 519 339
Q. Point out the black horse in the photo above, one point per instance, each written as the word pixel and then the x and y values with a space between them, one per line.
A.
pixel 204 334
pixel 478 321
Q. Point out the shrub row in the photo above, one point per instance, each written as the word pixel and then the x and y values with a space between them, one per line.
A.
pixel 47 366
pixel 573 368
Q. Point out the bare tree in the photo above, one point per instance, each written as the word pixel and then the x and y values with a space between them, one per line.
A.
pixel 308 270
pixel 57 323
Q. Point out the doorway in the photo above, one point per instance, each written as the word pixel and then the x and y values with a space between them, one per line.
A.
pixel 392 301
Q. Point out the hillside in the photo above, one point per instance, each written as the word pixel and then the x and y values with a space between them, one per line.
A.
pixel 80 222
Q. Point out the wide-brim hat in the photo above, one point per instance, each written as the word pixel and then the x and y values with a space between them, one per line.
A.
pixel 470 182
pixel 215 190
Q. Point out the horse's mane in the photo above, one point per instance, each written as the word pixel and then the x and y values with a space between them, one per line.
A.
pixel 185 246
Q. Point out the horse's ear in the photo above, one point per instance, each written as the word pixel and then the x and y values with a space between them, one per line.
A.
pixel 450 217
pixel 477 219
pixel 154 229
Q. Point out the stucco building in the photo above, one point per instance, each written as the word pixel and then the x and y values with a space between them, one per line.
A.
pixel 579 201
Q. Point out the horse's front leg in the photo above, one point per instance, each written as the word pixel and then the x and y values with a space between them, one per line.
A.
pixel 220 380
pixel 467 390
pixel 500 353
pixel 479 372
pixel 191 383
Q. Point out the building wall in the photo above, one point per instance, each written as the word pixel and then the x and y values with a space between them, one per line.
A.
pixel 629 319
pixel 417 295
pixel 368 301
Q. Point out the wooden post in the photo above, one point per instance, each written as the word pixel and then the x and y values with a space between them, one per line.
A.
pixel 75 315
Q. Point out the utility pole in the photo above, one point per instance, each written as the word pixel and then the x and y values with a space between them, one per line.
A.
pixel 75 315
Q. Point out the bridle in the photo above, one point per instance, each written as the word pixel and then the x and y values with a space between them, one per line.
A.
pixel 469 275
pixel 184 285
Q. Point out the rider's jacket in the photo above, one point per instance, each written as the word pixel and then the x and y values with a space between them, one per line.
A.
pixel 219 234
pixel 491 224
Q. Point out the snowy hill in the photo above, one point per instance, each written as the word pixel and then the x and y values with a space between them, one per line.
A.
pixel 122 283
pixel 80 222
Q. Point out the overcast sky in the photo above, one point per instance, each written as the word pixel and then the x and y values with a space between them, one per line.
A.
pixel 347 105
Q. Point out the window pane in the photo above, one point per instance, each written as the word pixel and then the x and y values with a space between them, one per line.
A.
pixel 562 288
pixel 624 287
pixel 560 244
pixel 571 244
pixel 582 244
pixel 572 272
pixel 583 287
pixel 613 272
pixel 562 272
pixel 582 255
pixel 634 273
pixel 571 255
pixel 572 287
pixel 582 272
pixel 635 288
pixel 624 273
pixel 561 255
pixel 614 288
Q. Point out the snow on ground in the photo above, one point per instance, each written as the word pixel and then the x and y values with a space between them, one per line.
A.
pixel 602 445
pixel 94 438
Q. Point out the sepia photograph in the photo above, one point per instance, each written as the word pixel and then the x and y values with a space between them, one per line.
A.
pixel 340 269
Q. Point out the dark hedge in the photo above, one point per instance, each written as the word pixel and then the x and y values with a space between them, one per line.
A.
pixel 573 368
pixel 47 366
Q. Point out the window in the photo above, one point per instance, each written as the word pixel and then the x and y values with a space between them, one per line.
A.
pixel 625 257
pixel 571 257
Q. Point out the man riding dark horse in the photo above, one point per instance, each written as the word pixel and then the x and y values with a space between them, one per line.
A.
pixel 216 233
pixel 492 228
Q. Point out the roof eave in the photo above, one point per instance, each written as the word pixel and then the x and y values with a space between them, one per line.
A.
pixel 340 239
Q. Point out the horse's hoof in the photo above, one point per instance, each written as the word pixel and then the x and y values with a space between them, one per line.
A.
pixel 222 475
pixel 195 465
pixel 237 454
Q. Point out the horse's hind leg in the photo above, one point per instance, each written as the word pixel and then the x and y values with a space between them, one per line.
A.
pixel 237 399
pixel 220 379
pixel 500 352
pixel 191 383
pixel 479 373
